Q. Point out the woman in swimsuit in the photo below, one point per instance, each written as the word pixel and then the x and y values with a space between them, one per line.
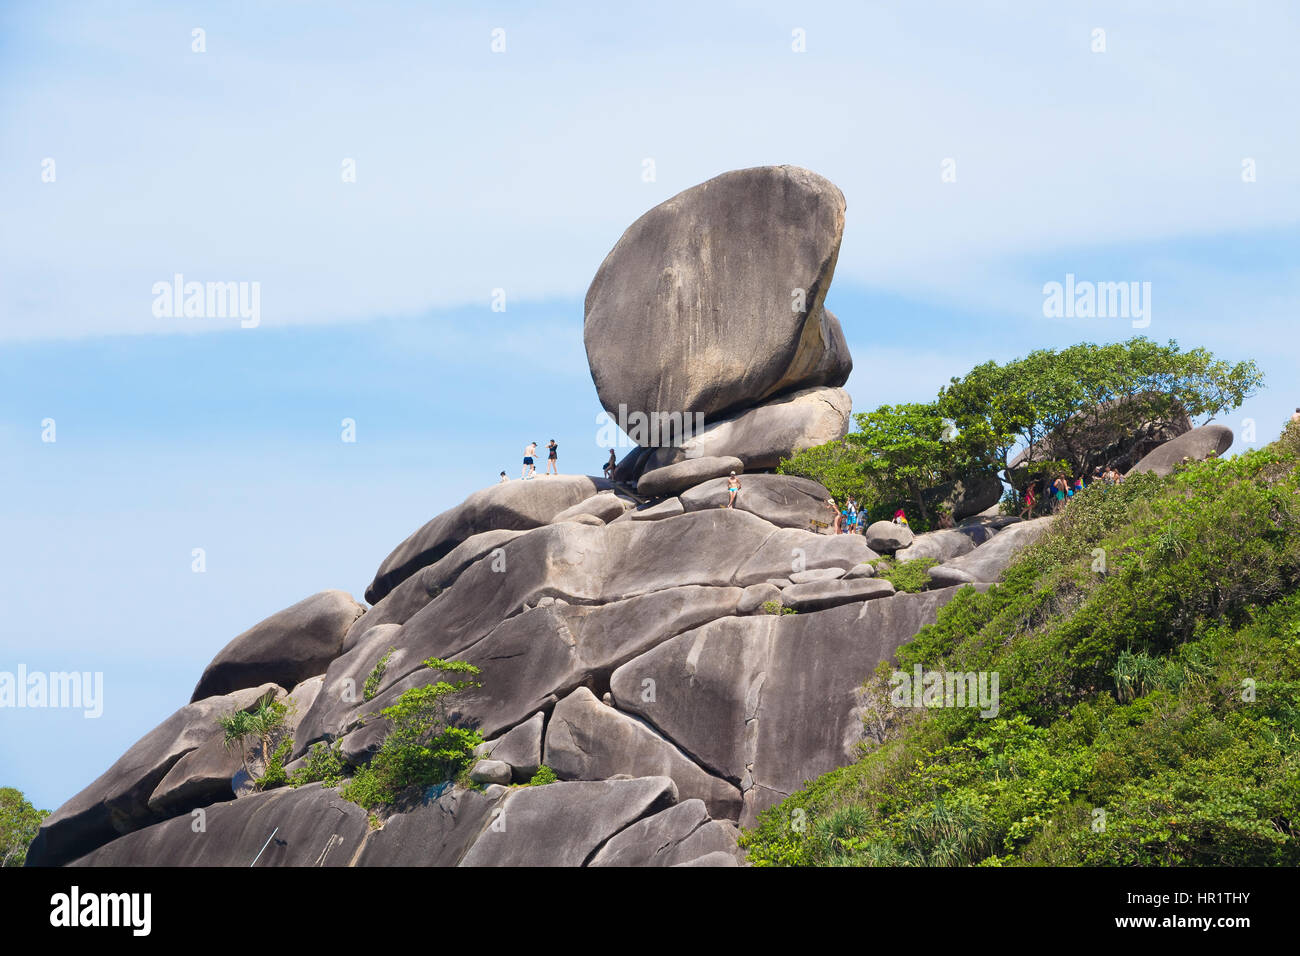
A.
pixel 551 467
pixel 610 465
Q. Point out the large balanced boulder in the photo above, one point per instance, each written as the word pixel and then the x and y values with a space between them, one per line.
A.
pixel 986 563
pixel 1208 441
pixel 512 506
pixel 590 740
pixel 712 301
pixel 764 435
pixel 117 802
pixel 768 702
pixel 285 649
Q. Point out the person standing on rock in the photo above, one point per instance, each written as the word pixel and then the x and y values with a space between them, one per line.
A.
pixel 733 489
pixel 1058 490
pixel 1028 510
pixel 610 465
pixel 529 468
pixel 552 456
pixel 834 515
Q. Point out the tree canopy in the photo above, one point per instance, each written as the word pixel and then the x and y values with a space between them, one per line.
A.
pixel 19 821
pixel 1059 404
pixel 1055 408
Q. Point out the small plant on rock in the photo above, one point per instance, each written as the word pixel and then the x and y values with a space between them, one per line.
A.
pixel 543 776
pixel 264 724
pixel 371 686
pixel 324 765
pixel 421 748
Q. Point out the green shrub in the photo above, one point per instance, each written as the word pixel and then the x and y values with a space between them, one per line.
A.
pixel 274 775
pixel 324 764
pixel 543 776
pixel 910 576
pixel 776 607
pixel 371 686
pixel 421 749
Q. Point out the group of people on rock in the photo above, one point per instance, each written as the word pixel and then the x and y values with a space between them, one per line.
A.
pixel 530 461
pixel 1060 490
pixel 849 519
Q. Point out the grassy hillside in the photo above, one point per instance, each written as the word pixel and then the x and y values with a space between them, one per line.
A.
pixel 1148 656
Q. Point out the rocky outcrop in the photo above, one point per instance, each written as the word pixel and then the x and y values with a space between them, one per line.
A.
pixel 783 500
pixel 986 563
pixel 288 647
pixel 819 595
pixel 965 496
pixel 671 479
pixel 1118 433
pixel 712 301
pixel 520 748
pixel 764 435
pixel 564 824
pixel 887 537
pixel 1208 441
pixel 310 826
pixel 622 635
pixel 947 544
pixel 676 836
pixel 589 740
pixel 605 506
pixel 767 702
pixel 512 506
pixel 118 801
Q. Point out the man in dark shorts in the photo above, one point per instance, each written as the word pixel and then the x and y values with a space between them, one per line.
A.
pixel 529 468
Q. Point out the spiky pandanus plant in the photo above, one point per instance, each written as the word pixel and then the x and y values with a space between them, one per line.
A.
pixel 260 723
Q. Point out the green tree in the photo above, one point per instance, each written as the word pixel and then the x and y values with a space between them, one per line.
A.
pixel 262 724
pixel 905 449
pixel 19 821
pixel 838 465
pixel 1064 406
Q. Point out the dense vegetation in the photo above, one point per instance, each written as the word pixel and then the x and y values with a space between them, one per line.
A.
pixel 421 748
pixel 1148 654
pixel 19 821
pixel 1058 406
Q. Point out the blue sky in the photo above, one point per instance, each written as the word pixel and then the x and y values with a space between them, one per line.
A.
pixel 518 171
